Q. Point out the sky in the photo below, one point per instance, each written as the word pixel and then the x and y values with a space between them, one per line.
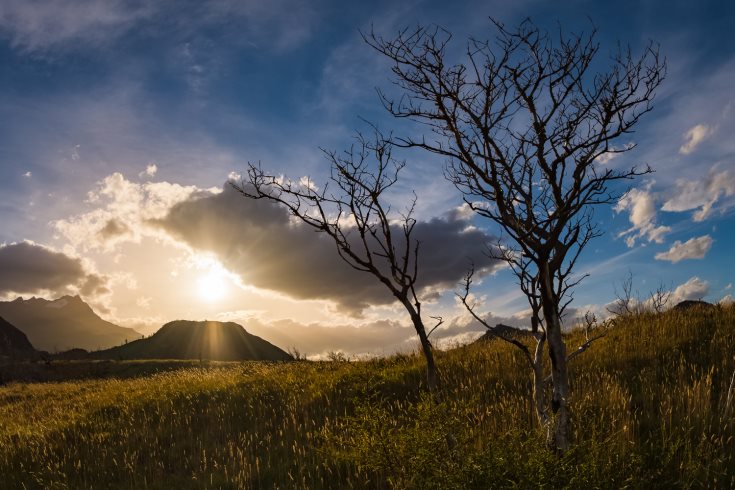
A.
pixel 121 123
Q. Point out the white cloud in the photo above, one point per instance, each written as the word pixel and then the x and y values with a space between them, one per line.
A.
pixel 695 288
pixel 150 171
pixel 701 194
pixel 694 137
pixel 122 209
pixel 727 300
pixel 613 153
pixel 694 248
pixel 28 174
pixel 641 205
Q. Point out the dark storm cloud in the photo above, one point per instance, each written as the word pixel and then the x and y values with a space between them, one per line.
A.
pixel 257 240
pixel 28 268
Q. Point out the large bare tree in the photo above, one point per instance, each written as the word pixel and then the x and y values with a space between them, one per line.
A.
pixel 527 123
pixel 352 209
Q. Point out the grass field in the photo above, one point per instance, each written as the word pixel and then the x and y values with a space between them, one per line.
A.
pixel 648 412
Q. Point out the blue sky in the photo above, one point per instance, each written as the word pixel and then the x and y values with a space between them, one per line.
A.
pixel 112 112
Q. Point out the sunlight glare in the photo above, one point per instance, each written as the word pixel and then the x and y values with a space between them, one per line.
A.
pixel 212 286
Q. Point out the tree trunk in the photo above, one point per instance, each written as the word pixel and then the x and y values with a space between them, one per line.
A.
pixel 558 357
pixel 539 392
pixel 432 375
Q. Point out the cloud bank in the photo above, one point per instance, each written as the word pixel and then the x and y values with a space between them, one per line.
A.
pixel 259 241
pixel 30 268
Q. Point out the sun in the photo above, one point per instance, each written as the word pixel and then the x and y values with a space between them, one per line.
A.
pixel 212 286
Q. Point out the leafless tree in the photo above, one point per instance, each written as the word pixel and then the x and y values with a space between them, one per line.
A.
pixel 352 210
pixel 659 298
pixel 628 304
pixel 529 285
pixel 625 303
pixel 526 124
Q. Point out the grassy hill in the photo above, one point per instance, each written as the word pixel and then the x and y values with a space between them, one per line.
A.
pixel 207 340
pixel 648 412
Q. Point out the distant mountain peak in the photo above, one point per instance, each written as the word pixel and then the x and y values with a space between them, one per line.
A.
pixel 64 323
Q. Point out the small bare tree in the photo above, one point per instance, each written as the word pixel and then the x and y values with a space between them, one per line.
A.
pixel 526 125
pixel 625 303
pixel 352 210
pixel 628 304
pixel 659 298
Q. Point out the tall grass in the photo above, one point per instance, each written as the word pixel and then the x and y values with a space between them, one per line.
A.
pixel 647 400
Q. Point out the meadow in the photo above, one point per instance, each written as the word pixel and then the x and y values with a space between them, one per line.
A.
pixel 648 400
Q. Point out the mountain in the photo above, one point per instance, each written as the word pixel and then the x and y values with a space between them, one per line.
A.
pixel 182 339
pixel 64 323
pixel 506 331
pixel 13 342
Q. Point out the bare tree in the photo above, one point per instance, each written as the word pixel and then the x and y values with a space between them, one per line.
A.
pixel 625 303
pixel 659 298
pixel 535 359
pixel 352 210
pixel 628 304
pixel 526 124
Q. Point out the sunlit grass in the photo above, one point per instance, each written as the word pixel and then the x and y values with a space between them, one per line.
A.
pixel 647 403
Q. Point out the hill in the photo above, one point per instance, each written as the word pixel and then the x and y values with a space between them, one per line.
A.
pixel 183 339
pixel 13 342
pixel 505 331
pixel 64 323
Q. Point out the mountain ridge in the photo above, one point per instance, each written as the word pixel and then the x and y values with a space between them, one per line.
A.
pixel 63 323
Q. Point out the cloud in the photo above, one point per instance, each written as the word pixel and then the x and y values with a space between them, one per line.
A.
pixel 727 300
pixel 694 137
pixel 31 268
pixel 613 153
pixel 370 338
pixel 44 24
pixel 694 248
pixel 695 288
pixel 641 205
pixel 123 210
pixel 701 194
pixel 150 171
pixel 41 24
pixel 259 241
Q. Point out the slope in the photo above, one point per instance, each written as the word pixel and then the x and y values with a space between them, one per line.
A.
pixel 13 342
